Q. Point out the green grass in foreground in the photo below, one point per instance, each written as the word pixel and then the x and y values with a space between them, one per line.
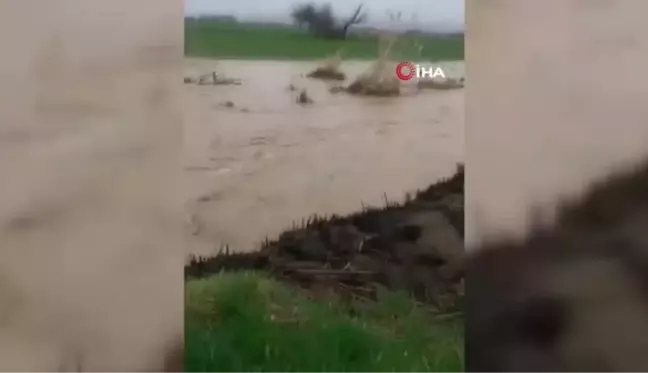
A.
pixel 219 39
pixel 247 322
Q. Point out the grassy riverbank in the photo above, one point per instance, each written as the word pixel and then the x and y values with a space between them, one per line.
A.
pixel 249 322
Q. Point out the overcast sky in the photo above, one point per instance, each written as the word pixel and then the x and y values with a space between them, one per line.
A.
pixel 442 15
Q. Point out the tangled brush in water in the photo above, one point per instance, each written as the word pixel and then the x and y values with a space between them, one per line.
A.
pixel 379 79
pixel 329 69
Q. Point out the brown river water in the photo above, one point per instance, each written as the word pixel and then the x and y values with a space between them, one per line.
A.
pixel 557 97
pixel 91 219
pixel 254 168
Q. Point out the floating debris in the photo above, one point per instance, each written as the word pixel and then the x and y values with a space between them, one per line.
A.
pixel 212 78
pixel 380 79
pixel 373 85
pixel 326 74
pixel 329 69
pixel 303 98
pixel 337 89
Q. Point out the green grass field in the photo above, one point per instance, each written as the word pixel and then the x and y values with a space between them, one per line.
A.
pixel 219 39
pixel 248 322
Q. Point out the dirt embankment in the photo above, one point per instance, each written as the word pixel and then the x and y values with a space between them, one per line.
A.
pixel 416 246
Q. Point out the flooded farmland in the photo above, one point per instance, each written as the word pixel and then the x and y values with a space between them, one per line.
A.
pixel 255 160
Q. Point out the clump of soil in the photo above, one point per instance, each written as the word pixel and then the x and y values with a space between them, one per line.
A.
pixel 447 83
pixel 329 69
pixel 415 246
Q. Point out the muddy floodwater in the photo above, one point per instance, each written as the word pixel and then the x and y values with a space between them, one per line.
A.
pixel 255 160
pixel 569 104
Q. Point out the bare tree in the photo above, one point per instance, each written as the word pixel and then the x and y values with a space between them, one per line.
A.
pixel 320 21
pixel 355 19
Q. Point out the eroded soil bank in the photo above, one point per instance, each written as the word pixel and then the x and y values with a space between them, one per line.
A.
pixel 414 246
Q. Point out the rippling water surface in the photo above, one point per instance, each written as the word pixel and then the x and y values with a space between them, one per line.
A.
pixel 254 168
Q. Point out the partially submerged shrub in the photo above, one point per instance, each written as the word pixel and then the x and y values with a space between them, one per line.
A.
pixel 329 69
pixel 380 79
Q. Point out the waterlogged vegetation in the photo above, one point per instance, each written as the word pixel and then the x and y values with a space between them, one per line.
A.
pixel 227 39
pixel 249 322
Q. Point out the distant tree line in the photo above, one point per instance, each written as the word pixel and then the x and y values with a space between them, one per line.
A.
pixel 320 20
